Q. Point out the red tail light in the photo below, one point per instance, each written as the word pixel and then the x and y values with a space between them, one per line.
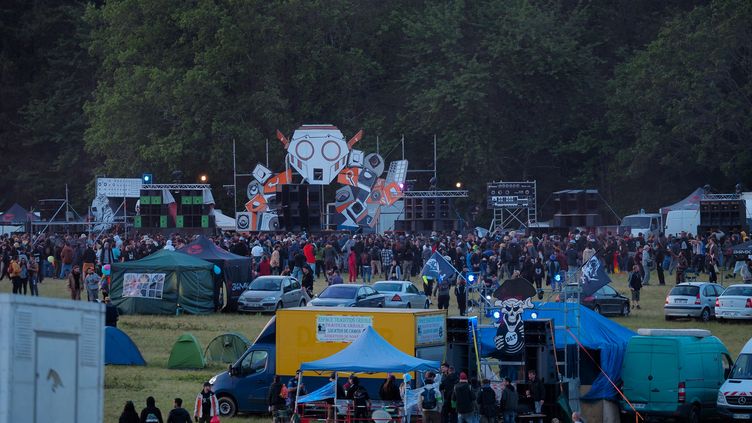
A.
pixel 396 298
pixel 749 303
pixel 682 392
pixel 588 298
pixel 717 302
pixel 666 300
pixel 697 299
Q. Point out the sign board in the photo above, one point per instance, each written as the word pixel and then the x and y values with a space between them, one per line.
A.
pixel 341 328
pixel 143 285
pixel 243 221
pixel 119 187
pixel 510 194
pixel 430 330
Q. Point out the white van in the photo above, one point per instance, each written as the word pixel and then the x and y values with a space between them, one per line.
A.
pixel 678 221
pixel 643 223
pixel 735 396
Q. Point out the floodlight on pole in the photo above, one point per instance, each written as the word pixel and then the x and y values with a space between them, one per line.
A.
pixel 147 178
pixel 458 185
pixel 203 179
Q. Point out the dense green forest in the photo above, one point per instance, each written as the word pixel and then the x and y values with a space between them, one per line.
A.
pixel 644 100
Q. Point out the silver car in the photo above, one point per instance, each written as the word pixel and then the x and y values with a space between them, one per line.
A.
pixel 270 293
pixel 692 299
pixel 735 303
pixel 401 294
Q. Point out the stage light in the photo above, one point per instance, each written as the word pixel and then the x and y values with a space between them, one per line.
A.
pixel 203 178
pixel 147 178
pixel 458 185
pixel 534 315
pixel 496 314
pixel 402 186
pixel 471 278
pixel 557 277
pixel 488 297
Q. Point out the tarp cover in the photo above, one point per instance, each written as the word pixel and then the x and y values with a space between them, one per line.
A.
pixel 743 249
pixel 226 348
pixel 188 281
pixel 186 354
pixel 120 349
pixel 596 333
pixel 236 270
pixel 691 202
pixel 370 353
pixel 16 215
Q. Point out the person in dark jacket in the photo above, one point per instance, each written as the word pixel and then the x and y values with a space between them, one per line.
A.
pixel 129 414
pixel 178 414
pixel 448 380
pixel 536 392
pixel 487 403
pixel 464 398
pixel 340 394
pixel 110 313
pixel 460 291
pixel 635 284
pixel 509 401
pixel 276 400
pixel 389 390
pixel 151 414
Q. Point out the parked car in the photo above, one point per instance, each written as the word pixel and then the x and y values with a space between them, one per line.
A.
pixel 673 373
pixel 735 396
pixel 735 303
pixel 605 301
pixel 692 299
pixel 270 293
pixel 401 294
pixel 349 295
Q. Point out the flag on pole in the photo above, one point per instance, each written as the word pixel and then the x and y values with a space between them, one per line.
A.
pixel 437 268
pixel 594 276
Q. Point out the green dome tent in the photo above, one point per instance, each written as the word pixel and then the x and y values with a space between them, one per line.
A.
pixel 186 354
pixel 158 283
pixel 226 348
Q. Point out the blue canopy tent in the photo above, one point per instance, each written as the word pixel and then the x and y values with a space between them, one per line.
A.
pixel 120 349
pixel 596 333
pixel 370 353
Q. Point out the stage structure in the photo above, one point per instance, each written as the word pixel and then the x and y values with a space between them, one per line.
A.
pixel 513 203
pixel 320 154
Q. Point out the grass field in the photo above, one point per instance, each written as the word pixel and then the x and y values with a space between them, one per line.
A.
pixel 155 335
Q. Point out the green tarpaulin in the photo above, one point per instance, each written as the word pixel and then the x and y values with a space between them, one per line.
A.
pixel 158 283
pixel 186 354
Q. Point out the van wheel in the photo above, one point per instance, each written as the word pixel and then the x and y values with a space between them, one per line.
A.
pixel 227 406
pixel 597 309
pixel 694 414
pixel 704 316
pixel 625 310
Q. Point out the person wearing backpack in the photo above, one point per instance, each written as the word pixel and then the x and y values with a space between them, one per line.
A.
pixel 442 294
pixel 429 400
pixel 464 400
pixel 151 414
pixel 487 403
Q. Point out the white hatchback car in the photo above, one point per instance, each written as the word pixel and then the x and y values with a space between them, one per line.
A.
pixel 735 303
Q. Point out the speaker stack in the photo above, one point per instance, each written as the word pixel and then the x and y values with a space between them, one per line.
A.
pixel 460 346
pixel 152 213
pixel 577 208
pixel 722 214
pixel 300 207
pixel 191 212
pixel 427 215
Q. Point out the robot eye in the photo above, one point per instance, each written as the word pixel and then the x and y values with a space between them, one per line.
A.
pixel 304 150
pixel 331 150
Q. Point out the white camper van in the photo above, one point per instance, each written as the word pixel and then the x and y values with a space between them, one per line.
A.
pixel 735 396
pixel 678 221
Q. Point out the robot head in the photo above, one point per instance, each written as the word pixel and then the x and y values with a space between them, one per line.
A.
pixel 318 153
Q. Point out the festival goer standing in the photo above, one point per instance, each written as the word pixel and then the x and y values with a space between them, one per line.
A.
pixel 151 414
pixel 75 283
pixel 352 266
pixel 464 398
pixel 509 401
pixel 460 292
pixel 635 284
pixel 14 272
pixel 276 400
pixel 129 414
pixel 92 284
pixel 275 261
pixel 536 392
pixel 66 258
pixel 442 294
pixel 33 276
pixel 178 414
pixel 487 403
pixel 429 401
pixel 24 275
pixel 206 405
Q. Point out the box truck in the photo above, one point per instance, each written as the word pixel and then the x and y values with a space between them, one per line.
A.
pixel 303 334
pixel 51 360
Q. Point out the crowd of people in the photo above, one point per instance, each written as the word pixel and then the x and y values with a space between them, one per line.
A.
pixel 205 410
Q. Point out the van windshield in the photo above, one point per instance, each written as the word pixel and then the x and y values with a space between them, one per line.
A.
pixel 636 221
pixel 688 290
pixel 742 368
pixel 265 284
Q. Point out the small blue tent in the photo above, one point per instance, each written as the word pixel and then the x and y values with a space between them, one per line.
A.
pixel 596 333
pixel 370 353
pixel 120 349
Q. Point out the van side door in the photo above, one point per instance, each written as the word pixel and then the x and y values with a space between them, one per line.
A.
pixel 256 373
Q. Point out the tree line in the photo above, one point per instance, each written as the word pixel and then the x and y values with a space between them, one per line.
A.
pixel 640 99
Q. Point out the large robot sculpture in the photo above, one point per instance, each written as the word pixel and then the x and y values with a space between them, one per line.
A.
pixel 320 154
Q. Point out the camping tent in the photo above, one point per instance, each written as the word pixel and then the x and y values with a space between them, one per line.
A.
pixel 236 269
pixel 186 354
pixel 370 353
pixel 691 202
pixel 120 349
pixel 595 333
pixel 158 283
pixel 226 348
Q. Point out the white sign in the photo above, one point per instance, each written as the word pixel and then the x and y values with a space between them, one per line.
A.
pixel 341 328
pixel 143 285
pixel 431 330
pixel 119 187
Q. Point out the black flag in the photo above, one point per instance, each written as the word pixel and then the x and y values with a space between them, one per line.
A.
pixel 594 276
